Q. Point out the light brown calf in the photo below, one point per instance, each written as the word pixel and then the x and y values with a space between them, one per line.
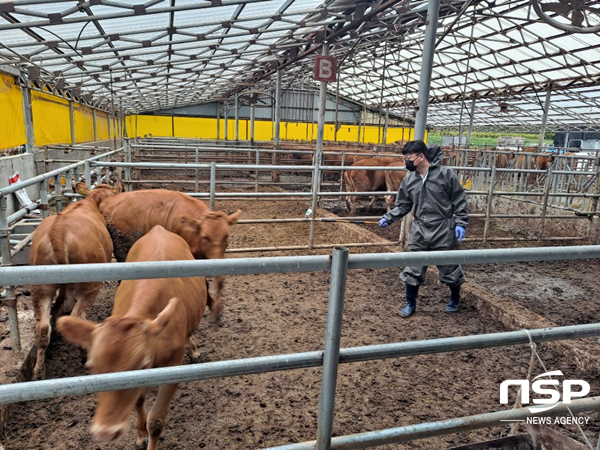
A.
pixel 77 235
pixel 151 322
pixel 133 214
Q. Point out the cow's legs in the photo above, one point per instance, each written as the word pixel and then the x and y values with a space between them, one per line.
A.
pixel 352 205
pixel 85 295
pixel 215 305
pixel 373 199
pixel 193 351
pixel 42 296
pixel 158 414
pixel 141 440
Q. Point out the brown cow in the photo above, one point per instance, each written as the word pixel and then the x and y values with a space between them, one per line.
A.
pixel 366 180
pixel 132 214
pixel 151 322
pixel 77 235
pixel 393 179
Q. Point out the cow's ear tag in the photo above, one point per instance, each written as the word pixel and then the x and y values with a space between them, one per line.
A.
pixel 81 191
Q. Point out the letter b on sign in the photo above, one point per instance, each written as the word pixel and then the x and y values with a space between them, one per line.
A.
pixel 325 68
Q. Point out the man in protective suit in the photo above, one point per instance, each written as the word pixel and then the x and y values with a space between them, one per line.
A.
pixel 439 205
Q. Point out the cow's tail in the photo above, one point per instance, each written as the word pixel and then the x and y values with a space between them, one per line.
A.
pixel 59 244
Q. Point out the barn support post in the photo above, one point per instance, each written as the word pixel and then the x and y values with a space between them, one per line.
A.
pixel 490 200
pixel 10 301
pixel 360 121
pixel 44 198
pixel 87 173
pixel 331 355
pixel 385 127
pixel 433 12
pixel 213 183
pixel 545 116
pixel 315 192
pixel 337 105
pixel 318 155
pixel 252 117
pixel 69 183
pixel 256 173
pixel 312 117
pixel 196 160
pixel 72 121
pixel 545 202
pixel 58 193
pixel 218 123
pixel 342 175
pixel 226 117
pixel 95 122
pixel 237 118
pixel 109 124
pixel 275 156
pixel 471 118
pixel 27 112
pixel 127 149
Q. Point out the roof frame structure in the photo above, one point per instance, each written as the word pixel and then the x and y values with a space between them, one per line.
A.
pixel 165 54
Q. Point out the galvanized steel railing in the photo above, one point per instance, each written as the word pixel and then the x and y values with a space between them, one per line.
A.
pixel 338 264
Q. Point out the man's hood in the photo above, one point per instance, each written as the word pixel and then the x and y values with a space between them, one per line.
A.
pixel 434 155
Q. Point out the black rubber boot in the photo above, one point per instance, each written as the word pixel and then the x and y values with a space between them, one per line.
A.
pixel 452 305
pixel 411 301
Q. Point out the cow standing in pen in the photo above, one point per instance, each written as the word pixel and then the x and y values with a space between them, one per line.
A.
pixel 366 180
pixel 151 322
pixel 77 235
pixel 135 213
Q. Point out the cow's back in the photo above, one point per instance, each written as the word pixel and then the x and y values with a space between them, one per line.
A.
pixel 139 211
pixel 150 297
pixel 77 235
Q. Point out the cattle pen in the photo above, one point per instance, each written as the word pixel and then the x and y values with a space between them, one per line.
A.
pixel 331 356
pixel 229 186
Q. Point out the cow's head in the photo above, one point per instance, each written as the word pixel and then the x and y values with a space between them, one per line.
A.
pixel 208 237
pixel 116 345
pixel 100 192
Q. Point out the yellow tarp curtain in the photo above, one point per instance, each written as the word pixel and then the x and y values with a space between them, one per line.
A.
pixel 51 119
pixel 84 123
pixel 12 125
pixel 205 128
pixel 102 125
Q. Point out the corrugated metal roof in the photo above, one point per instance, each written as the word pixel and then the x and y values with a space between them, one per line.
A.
pixel 172 54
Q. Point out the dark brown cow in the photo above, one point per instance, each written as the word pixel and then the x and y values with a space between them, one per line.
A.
pixel 77 235
pixel 366 180
pixel 151 322
pixel 132 214
pixel 393 179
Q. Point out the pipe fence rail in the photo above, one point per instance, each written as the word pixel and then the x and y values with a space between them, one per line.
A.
pixel 331 356
pixel 575 192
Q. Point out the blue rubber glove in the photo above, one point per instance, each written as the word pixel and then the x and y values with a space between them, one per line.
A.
pixel 459 232
pixel 383 222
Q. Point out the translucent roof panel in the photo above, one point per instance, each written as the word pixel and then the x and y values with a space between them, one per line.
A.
pixel 168 54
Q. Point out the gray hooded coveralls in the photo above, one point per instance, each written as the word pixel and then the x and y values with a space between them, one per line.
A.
pixel 438 205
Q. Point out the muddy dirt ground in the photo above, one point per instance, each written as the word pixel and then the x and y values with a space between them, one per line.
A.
pixel 286 313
